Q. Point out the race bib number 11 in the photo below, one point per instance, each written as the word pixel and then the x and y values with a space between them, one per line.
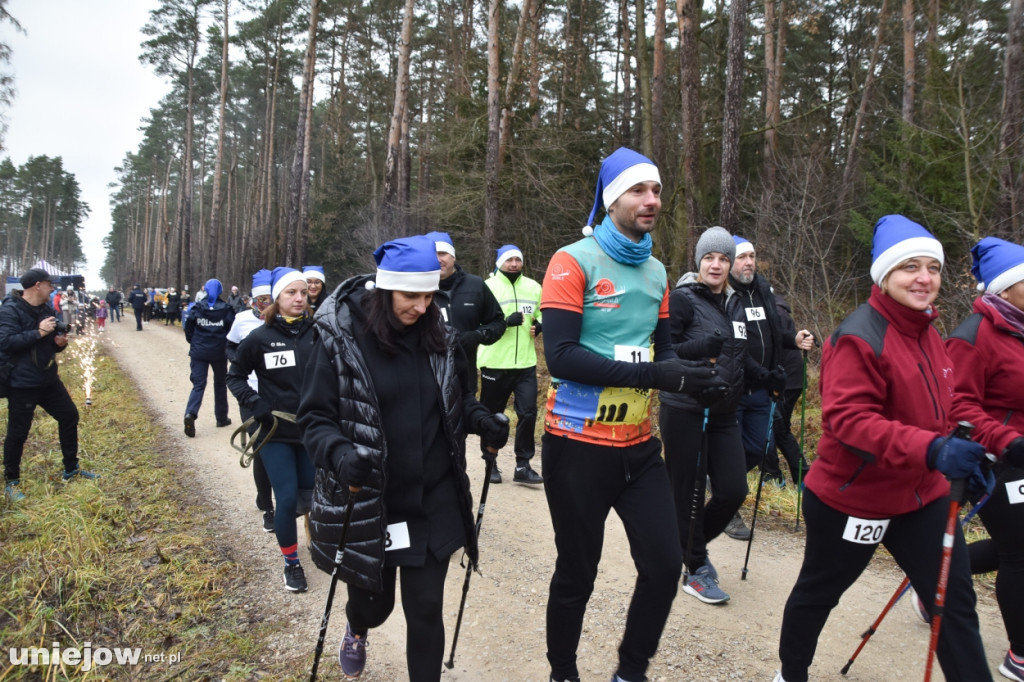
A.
pixel 632 353
pixel 865 531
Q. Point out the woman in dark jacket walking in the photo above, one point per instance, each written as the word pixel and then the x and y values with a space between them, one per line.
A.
pixel 695 449
pixel 385 409
pixel 988 355
pixel 884 456
pixel 278 352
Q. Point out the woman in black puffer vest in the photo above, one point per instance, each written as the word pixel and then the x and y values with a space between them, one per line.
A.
pixel 385 409
pixel 702 327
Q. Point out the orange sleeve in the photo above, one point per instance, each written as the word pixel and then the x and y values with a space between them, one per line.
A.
pixel 564 284
pixel 663 308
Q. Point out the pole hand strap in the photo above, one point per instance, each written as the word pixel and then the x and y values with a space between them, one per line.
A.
pixel 250 447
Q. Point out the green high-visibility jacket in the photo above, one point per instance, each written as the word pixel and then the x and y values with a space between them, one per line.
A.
pixel 515 349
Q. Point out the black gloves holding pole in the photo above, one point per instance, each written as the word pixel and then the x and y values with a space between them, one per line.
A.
pixel 352 466
pixel 494 431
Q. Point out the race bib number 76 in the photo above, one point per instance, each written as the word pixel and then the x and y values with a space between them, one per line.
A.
pixel 280 359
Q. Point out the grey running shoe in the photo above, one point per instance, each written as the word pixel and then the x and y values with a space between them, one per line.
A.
pixel 352 654
pixel 703 585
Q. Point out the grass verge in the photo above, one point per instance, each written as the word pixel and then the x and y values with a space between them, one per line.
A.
pixel 128 562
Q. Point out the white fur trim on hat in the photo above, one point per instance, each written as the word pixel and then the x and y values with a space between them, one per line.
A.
pixel 634 175
pixel 443 247
pixel 263 290
pixel 744 248
pixel 511 253
pixel 915 247
pixel 1005 280
pixel 314 274
pixel 408 281
pixel 288 278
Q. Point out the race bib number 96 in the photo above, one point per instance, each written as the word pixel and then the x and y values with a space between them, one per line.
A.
pixel 865 531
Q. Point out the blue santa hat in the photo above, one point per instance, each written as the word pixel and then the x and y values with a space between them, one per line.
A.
pixel 997 264
pixel 442 242
pixel 897 239
pixel 506 252
pixel 620 171
pixel 213 288
pixel 262 282
pixel 282 277
pixel 314 272
pixel 742 245
pixel 408 264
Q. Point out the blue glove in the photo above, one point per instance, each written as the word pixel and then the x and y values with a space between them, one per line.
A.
pixel 982 482
pixel 955 457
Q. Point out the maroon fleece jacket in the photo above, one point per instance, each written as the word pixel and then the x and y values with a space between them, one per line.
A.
pixel 887 393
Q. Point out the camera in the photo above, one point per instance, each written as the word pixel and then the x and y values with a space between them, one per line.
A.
pixel 61 329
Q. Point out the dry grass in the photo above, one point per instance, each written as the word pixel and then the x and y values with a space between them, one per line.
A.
pixel 127 561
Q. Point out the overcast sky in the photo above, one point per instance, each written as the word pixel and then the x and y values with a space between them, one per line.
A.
pixel 81 94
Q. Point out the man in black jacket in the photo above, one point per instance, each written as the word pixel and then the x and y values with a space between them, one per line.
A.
pixel 206 331
pixel 29 342
pixel 466 304
pixel 137 299
pixel 766 342
pixel 113 299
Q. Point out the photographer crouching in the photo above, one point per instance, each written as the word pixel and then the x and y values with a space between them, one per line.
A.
pixel 30 338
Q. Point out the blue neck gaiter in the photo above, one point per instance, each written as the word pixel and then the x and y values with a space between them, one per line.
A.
pixel 619 247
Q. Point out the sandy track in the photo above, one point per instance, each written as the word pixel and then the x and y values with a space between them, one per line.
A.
pixel 503 630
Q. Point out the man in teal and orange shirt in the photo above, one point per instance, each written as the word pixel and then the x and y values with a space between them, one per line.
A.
pixel 605 300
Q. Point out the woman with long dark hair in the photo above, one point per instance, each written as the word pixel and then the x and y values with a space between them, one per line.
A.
pixel 385 409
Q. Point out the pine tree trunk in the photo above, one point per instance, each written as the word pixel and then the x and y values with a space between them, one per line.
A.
pixel 215 200
pixel 731 120
pixel 643 80
pixel 909 63
pixel 298 179
pixel 1011 150
pixel 389 210
pixel 492 162
pixel 688 12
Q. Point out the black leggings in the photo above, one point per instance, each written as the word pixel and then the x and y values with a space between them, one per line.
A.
pixel 583 482
pixel 831 564
pixel 720 452
pixel 1004 552
pixel 422 602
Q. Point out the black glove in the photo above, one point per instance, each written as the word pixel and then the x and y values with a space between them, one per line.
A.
pixel 713 345
pixel 955 457
pixel 494 431
pixel 514 320
pixel 777 380
pixel 685 376
pixel 537 328
pixel 261 412
pixel 710 397
pixel 354 467
pixel 470 339
pixel 1014 453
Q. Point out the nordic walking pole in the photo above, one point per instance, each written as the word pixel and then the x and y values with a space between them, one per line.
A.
pixel 339 555
pixel 800 464
pixel 957 492
pixel 900 591
pixel 699 482
pixel 488 467
pixel 760 482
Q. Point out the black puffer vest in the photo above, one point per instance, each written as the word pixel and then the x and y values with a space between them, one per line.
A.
pixel 701 315
pixel 360 422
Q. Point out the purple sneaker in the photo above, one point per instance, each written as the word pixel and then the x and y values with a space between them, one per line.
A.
pixel 352 654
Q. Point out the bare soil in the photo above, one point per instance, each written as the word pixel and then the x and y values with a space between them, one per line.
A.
pixel 503 630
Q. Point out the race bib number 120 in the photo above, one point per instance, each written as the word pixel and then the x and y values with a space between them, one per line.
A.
pixel 865 531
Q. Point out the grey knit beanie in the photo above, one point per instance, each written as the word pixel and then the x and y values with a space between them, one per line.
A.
pixel 715 239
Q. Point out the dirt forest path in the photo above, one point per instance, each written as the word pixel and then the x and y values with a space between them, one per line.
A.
pixel 502 634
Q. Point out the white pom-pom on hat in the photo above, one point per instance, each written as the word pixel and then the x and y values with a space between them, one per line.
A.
pixel 588 230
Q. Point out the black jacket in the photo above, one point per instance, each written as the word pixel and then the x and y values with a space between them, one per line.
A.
pixel 137 298
pixel 765 339
pixel 340 410
pixel 33 357
pixel 113 298
pixel 469 306
pixel 174 304
pixel 279 353
pixel 695 314
pixel 206 330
